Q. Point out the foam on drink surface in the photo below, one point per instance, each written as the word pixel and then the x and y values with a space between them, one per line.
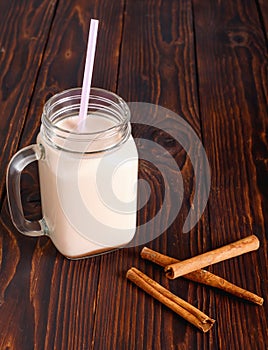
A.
pixel 91 124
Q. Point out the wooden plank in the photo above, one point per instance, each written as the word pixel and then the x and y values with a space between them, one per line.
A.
pixel 263 13
pixel 24 29
pixel 58 296
pixel 233 92
pixel 157 66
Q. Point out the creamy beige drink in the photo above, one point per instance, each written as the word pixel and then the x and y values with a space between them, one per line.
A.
pixel 88 170
pixel 82 220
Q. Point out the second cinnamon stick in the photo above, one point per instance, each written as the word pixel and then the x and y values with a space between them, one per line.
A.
pixel 228 251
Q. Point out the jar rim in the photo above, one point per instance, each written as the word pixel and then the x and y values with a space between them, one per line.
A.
pixel 94 92
pixel 102 104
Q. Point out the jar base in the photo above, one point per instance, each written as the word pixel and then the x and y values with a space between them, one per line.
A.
pixel 93 254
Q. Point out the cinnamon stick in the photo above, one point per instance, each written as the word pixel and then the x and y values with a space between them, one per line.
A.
pixel 228 251
pixel 203 276
pixel 178 305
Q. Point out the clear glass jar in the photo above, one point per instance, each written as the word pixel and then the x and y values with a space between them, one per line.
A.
pixel 88 175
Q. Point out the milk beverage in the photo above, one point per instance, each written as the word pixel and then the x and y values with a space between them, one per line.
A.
pixel 88 199
pixel 88 169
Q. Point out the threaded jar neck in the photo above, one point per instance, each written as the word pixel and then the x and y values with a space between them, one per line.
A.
pixel 106 126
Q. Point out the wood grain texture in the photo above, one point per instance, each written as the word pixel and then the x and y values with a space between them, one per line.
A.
pixel 162 33
pixel 64 59
pixel 50 301
pixel 206 61
pixel 233 97
pixel 263 13
pixel 24 29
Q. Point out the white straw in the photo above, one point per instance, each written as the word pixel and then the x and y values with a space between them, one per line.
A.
pixel 91 48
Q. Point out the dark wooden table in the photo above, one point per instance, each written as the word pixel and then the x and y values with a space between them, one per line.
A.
pixel 207 62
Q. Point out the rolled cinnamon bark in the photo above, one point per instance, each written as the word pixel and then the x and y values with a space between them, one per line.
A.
pixel 203 276
pixel 178 305
pixel 228 251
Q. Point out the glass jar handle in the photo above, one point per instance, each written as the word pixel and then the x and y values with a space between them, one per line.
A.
pixel 16 165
